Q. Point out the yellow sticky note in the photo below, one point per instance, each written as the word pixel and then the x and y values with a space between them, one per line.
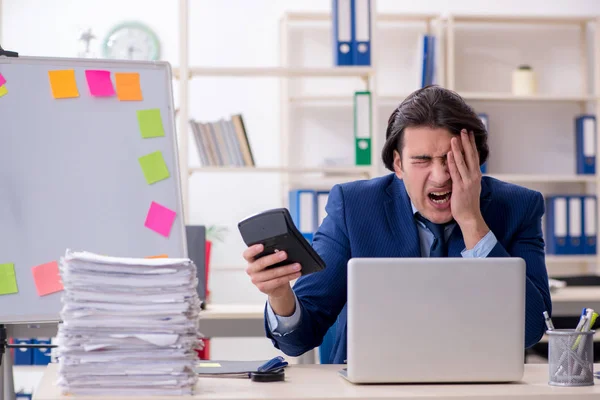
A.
pixel 8 280
pixel 128 86
pixel 63 83
pixel 209 365
pixel 3 90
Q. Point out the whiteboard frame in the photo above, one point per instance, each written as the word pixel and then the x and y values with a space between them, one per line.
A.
pixel 108 64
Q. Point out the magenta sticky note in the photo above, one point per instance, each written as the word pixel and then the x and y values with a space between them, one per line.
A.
pixel 2 80
pixel 160 219
pixel 99 83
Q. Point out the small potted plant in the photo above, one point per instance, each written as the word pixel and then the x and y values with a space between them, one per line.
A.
pixel 214 234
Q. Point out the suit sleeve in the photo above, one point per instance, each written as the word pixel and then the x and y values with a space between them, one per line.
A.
pixel 529 245
pixel 321 295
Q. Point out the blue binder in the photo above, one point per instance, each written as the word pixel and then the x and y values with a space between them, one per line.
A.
pixel 590 224
pixel 343 32
pixel 424 59
pixel 41 356
pixel 321 201
pixel 575 217
pixel 585 141
pixel 23 356
pixel 303 211
pixel 486 122
pixel 361 49
pixel 430 60
pixel 556 225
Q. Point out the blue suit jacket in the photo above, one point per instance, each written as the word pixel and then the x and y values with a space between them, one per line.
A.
pixel 374 218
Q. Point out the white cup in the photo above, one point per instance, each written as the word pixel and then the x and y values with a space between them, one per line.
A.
pixel 523 81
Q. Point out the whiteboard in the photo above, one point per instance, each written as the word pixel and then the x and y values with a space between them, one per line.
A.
pixel 70 176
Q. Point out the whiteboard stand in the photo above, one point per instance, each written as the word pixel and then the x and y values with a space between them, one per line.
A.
pixel 6 362
pixel 6 372
pixel 7 379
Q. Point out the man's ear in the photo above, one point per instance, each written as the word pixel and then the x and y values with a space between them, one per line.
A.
pixel 397 164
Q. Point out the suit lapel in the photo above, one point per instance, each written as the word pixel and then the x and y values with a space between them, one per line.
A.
pixel 456 243
pixel 400 218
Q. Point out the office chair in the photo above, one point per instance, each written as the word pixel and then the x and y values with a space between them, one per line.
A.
pixel 327 345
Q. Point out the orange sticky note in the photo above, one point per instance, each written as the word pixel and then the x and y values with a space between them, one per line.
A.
pixel 63 84
pixel 128 86
pixel 158 256
pixel 47 278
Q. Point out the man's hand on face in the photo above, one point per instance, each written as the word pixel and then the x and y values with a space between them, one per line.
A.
pixel 463 164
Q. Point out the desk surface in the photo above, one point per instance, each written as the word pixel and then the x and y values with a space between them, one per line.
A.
pixel 323 382
pixel 569 301
pixel 233 311
pixel 566 301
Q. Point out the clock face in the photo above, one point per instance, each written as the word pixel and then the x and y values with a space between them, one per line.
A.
pixel 131 41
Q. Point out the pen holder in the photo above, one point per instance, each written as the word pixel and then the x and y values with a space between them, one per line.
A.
pixel 571 357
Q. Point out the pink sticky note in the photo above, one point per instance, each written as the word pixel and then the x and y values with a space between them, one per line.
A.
pixel 99 83
pixel 2 80
pixel 160 219
pixel 47 278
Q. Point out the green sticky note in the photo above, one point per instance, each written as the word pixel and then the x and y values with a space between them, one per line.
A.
pixel 150 123
pixel 8 280
pixel 154 167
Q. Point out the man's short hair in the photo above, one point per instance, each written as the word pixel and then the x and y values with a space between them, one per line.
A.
pixel 434 107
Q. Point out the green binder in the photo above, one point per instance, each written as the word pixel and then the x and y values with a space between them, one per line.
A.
pixel 362 128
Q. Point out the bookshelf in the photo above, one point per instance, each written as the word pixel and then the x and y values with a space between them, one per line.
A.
pixel 483 96
pixel 185 72
pixel 302 92
pixel 359 171
pixel 544 178
pixel 563 100
pixel 276 72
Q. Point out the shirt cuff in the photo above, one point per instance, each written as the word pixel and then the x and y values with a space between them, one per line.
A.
pixel 482 248
pixel 281 326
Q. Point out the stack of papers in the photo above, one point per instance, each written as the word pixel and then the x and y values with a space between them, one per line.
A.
pixel 129 325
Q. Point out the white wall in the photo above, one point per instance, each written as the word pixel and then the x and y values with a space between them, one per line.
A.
pixel 245 33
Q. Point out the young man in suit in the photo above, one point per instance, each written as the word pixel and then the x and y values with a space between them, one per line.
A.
pixel 435 204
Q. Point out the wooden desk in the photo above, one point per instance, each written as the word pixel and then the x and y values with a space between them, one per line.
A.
pixel 322 382
pixel 239 320
pixel 569 301
pixel 233 320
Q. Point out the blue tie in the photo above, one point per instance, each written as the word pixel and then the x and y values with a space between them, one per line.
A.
pixel 438 247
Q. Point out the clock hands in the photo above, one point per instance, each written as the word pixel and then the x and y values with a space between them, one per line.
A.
pixel 8 53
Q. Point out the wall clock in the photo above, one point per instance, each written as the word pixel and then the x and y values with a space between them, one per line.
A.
pixel 131 41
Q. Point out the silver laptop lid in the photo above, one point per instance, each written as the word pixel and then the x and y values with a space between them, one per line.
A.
pixel 436 319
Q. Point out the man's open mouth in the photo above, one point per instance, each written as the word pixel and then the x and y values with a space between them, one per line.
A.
pixel 440 197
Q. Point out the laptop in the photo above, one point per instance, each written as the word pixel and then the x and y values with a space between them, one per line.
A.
pixel 417 320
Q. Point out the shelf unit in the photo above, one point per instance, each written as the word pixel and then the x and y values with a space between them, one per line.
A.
pixel 586 99
pixel 444 27
pixel 544 178
pixel 184 73
pixel 277 72
pixel 359 171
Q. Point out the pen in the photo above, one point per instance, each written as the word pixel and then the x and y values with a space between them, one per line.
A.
pixel 548 321
pixel 580 327
pixel 582 342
